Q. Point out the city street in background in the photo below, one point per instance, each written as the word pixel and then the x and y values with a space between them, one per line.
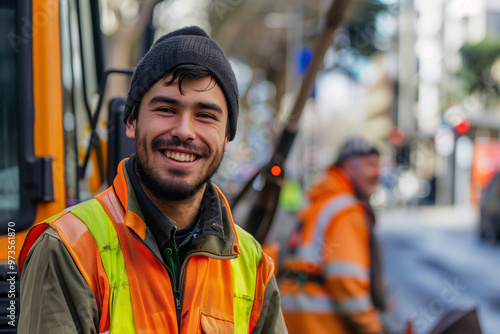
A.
pixel 435 263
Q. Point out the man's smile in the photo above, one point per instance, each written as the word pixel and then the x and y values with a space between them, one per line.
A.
pixel 180 156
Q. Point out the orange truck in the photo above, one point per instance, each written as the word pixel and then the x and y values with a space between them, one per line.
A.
pixel 53 139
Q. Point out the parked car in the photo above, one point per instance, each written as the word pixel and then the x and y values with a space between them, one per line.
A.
pixel 489 224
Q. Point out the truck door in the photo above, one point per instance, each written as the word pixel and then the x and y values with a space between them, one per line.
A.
pixel 50 61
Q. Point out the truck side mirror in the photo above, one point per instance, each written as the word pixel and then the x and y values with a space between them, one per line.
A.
pixel 119 145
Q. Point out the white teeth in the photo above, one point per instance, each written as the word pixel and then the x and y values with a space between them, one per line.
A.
pixel 182 157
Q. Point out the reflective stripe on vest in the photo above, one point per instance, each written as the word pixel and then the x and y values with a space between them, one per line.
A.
pixel 323 303
pixel 122 319
pixel 313 250
pixel 342 269
pixel 101 227
pixel 244 289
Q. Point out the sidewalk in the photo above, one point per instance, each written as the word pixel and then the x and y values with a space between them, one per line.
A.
pixel 447 217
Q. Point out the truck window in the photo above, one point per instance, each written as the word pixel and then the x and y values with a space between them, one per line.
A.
pixel 80 72
pixel 9 162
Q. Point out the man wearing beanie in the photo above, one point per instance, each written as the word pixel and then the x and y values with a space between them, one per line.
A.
pixel 332 281
pixel 158 251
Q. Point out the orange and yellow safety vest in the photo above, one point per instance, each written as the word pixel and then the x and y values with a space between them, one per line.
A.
pixel 132 286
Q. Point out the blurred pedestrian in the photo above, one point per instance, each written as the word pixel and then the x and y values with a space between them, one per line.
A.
pixel 332 279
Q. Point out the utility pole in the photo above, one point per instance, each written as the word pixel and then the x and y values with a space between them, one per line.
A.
pixel 407 69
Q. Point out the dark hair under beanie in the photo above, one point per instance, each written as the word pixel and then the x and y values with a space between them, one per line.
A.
pixel 190 45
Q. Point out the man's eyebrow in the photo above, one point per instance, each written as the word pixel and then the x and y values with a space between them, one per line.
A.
pixel 163 99
pixel 211 106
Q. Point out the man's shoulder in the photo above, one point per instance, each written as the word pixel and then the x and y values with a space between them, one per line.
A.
pixel 83 204
pixel 248 246
pixel 252 252
pixel 62 214
pixel 48 241
pixel 342 209
pixel 69 224
pixel 50 234
pixel 246 238
pixel 341 201
pixel 71 218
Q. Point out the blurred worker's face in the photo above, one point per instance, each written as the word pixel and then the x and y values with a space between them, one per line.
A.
pixel 180 138
pixel 364 172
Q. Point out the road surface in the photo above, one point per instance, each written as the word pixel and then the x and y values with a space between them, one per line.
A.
pixel 434 263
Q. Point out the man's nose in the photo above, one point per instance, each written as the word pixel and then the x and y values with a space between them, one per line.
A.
pixel 184 128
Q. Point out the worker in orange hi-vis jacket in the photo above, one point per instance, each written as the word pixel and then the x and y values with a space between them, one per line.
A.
pixel 332 280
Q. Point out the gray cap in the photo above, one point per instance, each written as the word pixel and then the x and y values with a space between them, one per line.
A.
pixel 356 147
pixel 189 45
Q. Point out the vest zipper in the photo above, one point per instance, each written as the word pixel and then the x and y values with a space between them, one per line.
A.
pixel 180 291
pixel 178 300
pixel 176 293
pixel 178 309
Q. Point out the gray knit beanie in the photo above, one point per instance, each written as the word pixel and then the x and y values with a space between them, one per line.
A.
pixel 355 147
pixel 190 45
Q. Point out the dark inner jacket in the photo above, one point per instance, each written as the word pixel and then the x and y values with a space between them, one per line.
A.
pixel 173 243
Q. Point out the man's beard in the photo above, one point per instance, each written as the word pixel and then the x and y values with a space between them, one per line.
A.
pixel 170 189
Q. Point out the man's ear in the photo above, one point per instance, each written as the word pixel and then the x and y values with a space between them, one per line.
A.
pixel 226 141
pixel 131 124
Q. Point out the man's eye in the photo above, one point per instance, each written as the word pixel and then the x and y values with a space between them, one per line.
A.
pixel 165 110
pixel 206 116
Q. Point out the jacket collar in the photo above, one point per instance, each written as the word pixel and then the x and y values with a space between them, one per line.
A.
pixel 217 235
pixel 335 182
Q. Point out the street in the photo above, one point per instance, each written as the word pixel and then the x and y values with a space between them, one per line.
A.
pixel 434 263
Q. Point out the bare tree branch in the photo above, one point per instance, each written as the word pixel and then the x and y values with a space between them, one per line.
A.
pixel 131 33
pixel 144 17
